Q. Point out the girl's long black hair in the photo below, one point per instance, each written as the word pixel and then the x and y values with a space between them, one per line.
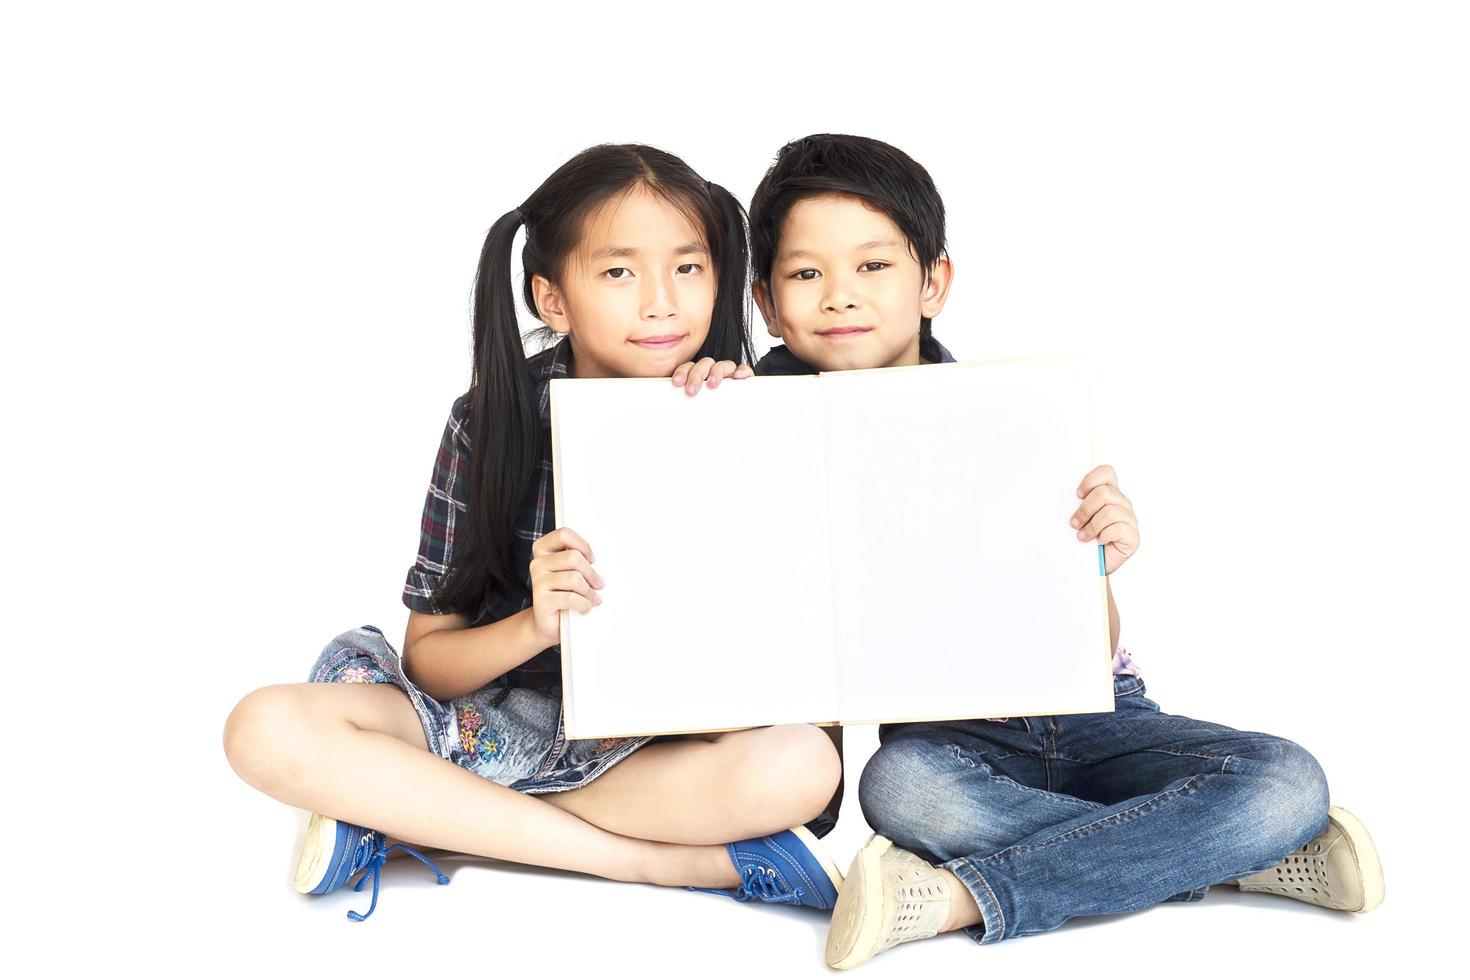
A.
pixel 504 427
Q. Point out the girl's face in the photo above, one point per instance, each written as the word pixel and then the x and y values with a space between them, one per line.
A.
pixel 637 293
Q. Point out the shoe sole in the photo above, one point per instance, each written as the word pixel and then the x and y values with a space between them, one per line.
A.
pixel 1365 857
pixel 317 852
pixel 813 845
pixel 1365 854
pixel 857 918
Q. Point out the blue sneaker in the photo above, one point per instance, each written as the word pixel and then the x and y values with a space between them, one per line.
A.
pixel 335 851
pixel 789 868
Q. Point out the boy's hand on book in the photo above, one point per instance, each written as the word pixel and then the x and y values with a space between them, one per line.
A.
pixel 562 577
pixel 1107 515
pixel 692 375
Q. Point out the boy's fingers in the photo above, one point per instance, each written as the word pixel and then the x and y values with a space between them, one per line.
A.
pixel 1099 475
pixel 1096 500
pixel 1109 515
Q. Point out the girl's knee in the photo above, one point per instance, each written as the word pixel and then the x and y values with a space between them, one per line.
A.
pixel 791 770
pixel 257 732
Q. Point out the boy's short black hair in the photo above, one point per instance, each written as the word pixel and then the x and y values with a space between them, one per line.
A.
pixel 829 163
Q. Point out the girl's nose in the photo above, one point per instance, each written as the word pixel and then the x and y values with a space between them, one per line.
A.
pixel 658 298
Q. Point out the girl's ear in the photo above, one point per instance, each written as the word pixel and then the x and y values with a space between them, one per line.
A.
pixel 549 305
pixel 936 287
pixel 761 290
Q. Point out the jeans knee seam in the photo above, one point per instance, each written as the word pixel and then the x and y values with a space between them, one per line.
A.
pixel 1149 804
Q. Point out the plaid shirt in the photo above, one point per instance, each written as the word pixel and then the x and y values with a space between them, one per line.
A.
pixel 780 361
pixel 448 497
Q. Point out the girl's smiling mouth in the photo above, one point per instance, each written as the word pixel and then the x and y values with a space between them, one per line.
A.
pixel 658 343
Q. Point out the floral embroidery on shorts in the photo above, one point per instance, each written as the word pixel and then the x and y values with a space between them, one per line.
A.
pixel 470 722
pixel 361 675
pixel 490 746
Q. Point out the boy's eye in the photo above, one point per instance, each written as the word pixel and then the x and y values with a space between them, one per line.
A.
pixel 689 268
pixel 618 273
pixel 873 266
pixel 805 275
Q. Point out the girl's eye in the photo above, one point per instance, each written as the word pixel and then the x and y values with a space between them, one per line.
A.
pixel 801 275
pixel 689 268
pixel 615 273
pixel 870 266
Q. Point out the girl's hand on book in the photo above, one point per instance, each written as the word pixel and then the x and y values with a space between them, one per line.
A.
pixel 691 375
pixel 562 577
pixel 1107 515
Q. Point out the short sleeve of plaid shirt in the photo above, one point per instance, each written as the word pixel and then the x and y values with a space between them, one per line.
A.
pixel 443 505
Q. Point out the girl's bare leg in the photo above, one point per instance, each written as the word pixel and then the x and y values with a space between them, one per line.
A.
pixel 357 752
pixel 713 789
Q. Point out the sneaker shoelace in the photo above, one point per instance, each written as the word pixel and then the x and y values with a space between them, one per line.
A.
pixel 762 883
pixel 373 854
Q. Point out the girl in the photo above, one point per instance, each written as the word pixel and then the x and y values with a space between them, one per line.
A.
pixel 635 264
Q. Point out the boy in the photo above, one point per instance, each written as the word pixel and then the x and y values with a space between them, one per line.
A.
pixel 1009 827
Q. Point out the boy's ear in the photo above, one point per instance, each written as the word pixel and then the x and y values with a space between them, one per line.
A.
pixel 936 287
pixel 549 305
pixel 761 290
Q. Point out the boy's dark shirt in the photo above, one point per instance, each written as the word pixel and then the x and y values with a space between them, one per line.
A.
pixel 780 361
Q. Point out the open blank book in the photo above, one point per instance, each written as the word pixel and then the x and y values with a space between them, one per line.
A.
pixel 853 547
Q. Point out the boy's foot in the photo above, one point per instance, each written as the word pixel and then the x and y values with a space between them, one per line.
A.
pixel 1337 869
pixel 890 896
pixel 334 851
pixel 789 868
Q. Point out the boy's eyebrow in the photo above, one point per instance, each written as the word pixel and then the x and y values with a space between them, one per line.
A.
pixel 623 251
pixel 801 253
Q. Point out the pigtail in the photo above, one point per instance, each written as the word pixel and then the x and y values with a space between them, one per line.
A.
pixel 504 432
pixel 729 329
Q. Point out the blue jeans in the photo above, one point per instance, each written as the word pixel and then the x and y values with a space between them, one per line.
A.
pixel 1047 818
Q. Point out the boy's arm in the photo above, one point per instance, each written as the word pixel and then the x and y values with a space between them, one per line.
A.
pixel 1112 622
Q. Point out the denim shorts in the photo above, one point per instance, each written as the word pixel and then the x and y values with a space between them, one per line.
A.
pixel 514 736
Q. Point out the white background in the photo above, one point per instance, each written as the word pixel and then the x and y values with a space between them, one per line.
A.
pixel 237 251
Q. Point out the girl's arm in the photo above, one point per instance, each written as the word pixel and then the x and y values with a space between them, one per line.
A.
pixel 445 659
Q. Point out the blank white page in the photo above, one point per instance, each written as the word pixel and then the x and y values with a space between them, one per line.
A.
pixel 707 516
pixel 960 589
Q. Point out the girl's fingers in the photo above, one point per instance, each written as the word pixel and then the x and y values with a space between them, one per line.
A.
pixel 569 561
pixel 570 600
pixel 562 539
pixel 681 373
pixel 742 372
pixel 571 582
pixel 697 375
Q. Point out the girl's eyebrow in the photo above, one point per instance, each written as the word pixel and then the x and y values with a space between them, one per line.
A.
pixel 622 251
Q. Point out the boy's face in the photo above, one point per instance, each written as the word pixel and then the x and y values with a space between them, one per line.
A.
pixel 845 290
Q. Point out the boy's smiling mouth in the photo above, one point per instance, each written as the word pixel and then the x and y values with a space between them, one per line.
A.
pixel 836 333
